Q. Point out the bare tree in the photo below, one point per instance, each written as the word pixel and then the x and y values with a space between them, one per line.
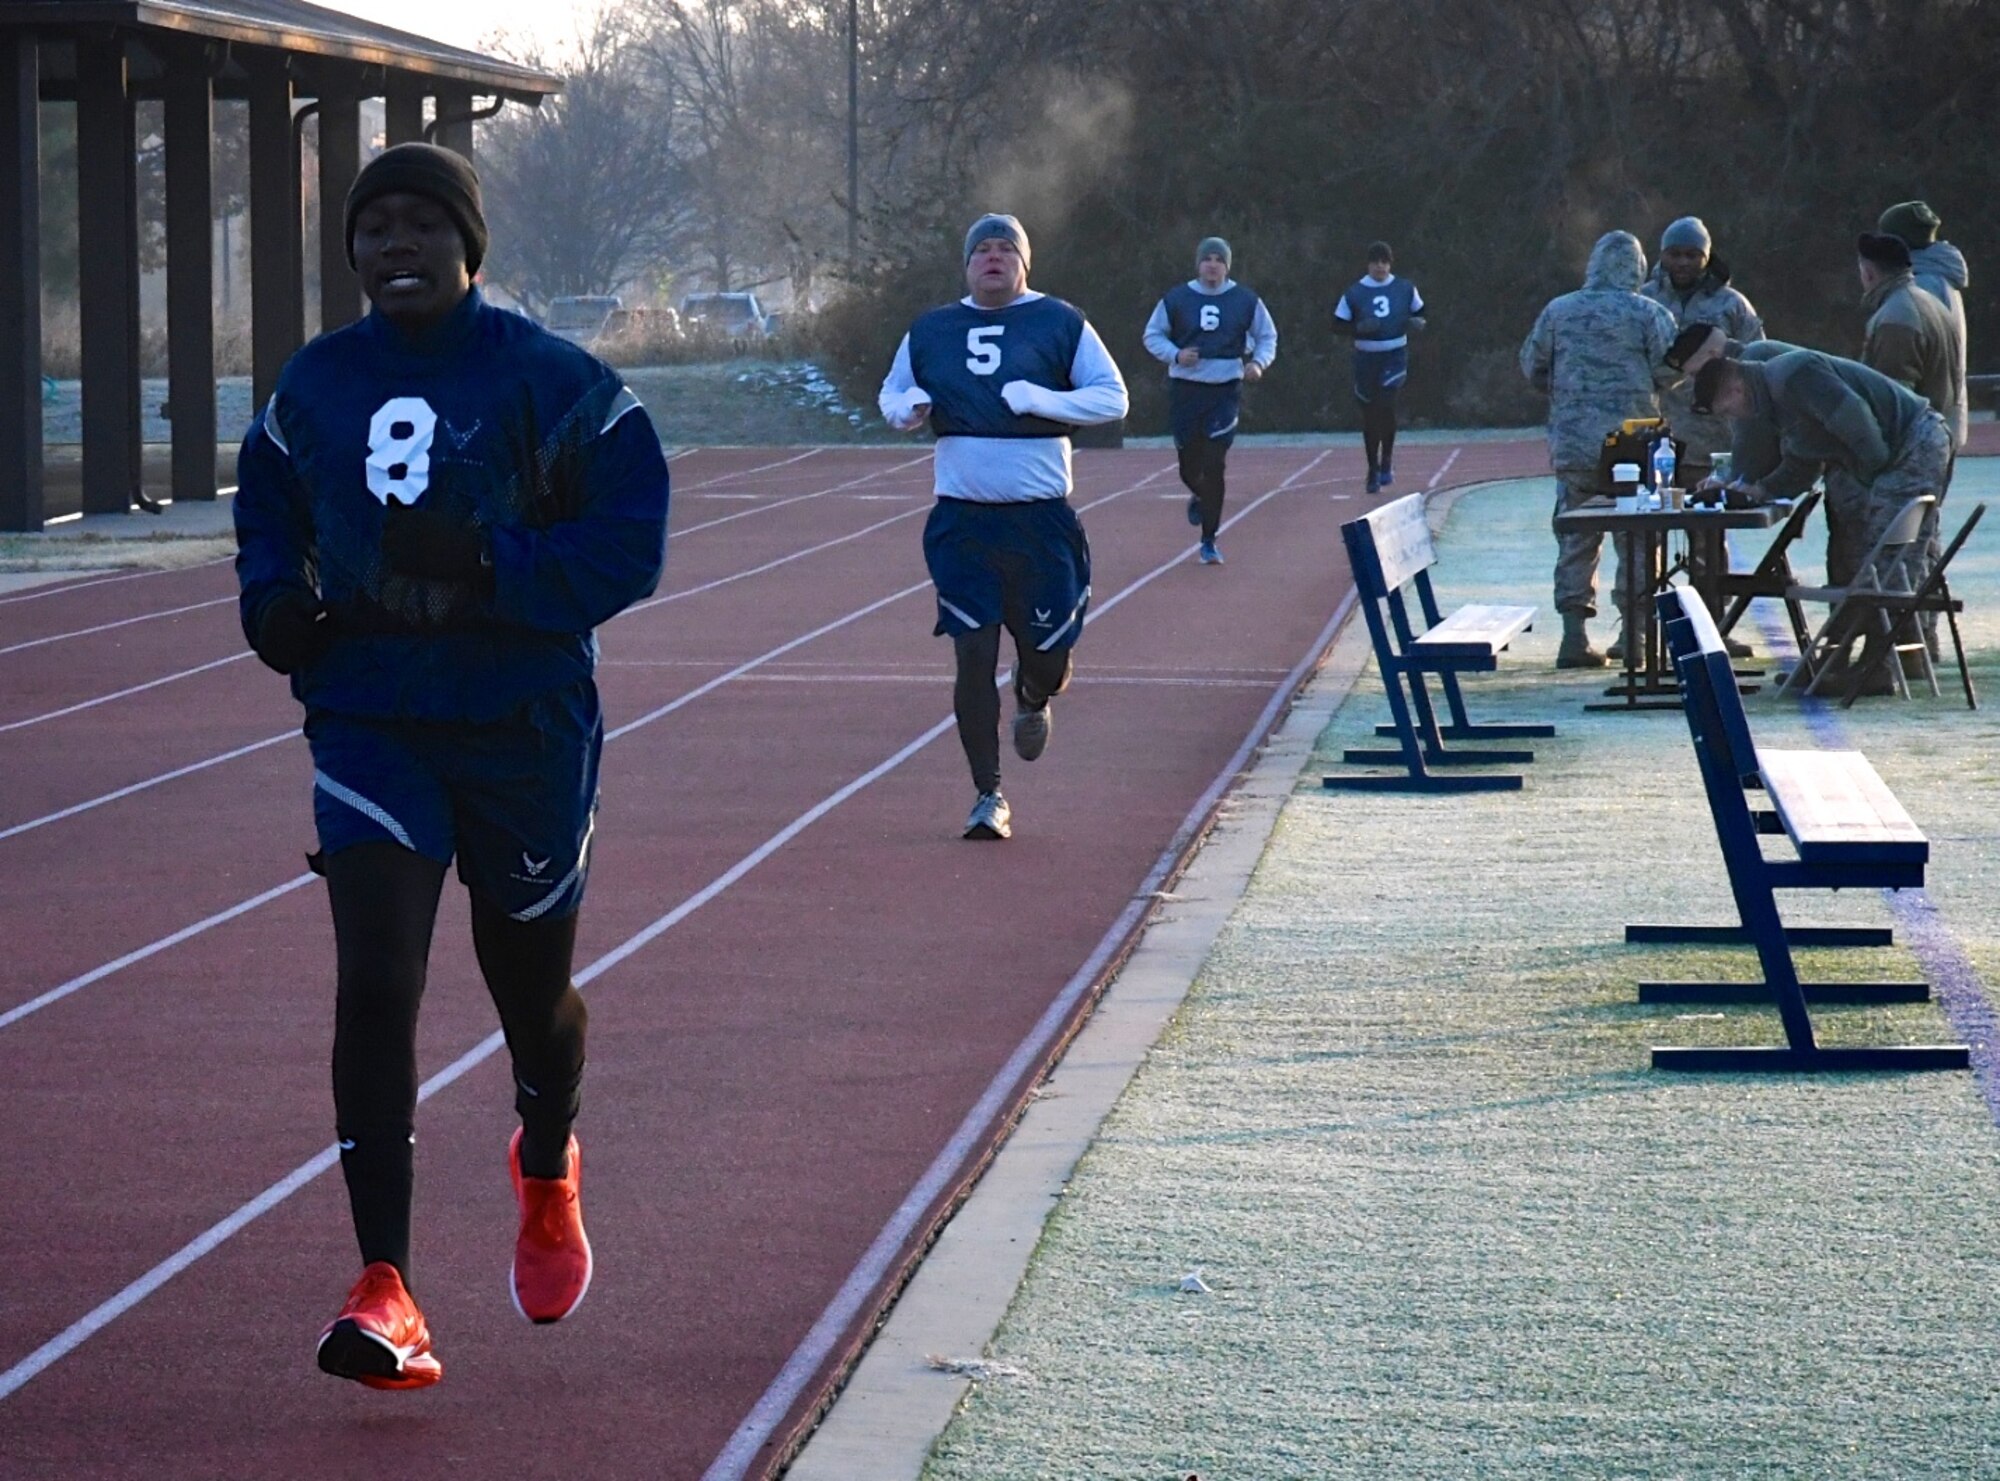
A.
pixel 587 192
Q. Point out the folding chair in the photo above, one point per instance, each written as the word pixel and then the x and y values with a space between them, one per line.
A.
pixel 1933 594
pixel 1893 567
pixel 1773 575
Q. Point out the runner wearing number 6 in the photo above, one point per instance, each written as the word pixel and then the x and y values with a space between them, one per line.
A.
pixel 1379 311
pixel 1002 376
pixel 1213 334
pixel 434 511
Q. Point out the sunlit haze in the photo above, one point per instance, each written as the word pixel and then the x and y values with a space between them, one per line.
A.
pixel 469 24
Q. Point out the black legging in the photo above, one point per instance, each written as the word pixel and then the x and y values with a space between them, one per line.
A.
pixel 385 901
pixel 1378 429
pixel 975 697
pixel 1202 461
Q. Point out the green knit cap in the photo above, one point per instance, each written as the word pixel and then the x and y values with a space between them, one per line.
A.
pixel 1913 221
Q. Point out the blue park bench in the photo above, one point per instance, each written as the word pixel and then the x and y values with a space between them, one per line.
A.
pixel 1848 832
pixel 1390 550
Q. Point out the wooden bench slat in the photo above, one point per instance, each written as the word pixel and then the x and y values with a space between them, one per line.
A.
pixel 1837 808
pixel 1401 537
pixel 1487 626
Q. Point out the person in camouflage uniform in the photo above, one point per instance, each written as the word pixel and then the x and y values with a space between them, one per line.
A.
pixel 1692 284
pixel 1599 354
pixel 1839 414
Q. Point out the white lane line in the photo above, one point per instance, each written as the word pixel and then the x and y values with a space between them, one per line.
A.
pixel 84 632
pixel 89 704
pixel 75 984
pixel 65 590
pixel 740 1453
pixel 80 1331
pixel 746 472
pixel 163 777
pixel 738 672
pixel 122 792
pixel 880 524
pixel 1443 468
pixel 868 477
pixel 640 607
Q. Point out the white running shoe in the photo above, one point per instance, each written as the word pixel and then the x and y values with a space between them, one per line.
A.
pixel 991 817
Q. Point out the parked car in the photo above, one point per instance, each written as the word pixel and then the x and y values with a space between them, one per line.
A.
pixel 737 315
pixel 583 318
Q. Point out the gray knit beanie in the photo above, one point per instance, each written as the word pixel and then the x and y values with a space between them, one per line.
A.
pixel 1689 231
pixel 992 225
pixel 1212 244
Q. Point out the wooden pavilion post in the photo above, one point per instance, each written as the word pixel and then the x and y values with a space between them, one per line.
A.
pixel 21 505
pixel 108 237
pixel 190 130
pixel 277 295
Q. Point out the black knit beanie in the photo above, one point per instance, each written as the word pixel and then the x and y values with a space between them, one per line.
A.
pixel 443 175
pixel 1890 253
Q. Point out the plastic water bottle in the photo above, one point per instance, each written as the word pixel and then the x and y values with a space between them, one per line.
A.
pixel 1663 470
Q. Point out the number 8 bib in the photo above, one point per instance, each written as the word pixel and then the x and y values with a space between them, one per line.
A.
pixel 399 449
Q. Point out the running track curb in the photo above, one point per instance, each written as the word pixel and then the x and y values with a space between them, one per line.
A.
pixel 897 1401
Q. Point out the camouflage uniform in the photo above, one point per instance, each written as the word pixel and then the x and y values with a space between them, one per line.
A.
pixel 1710 301
pixel 1854 421
pixel 1599 354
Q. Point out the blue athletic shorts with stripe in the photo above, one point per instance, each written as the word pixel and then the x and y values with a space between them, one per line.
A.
pixel 514 801
pixel 1204 411
pixel 1379 373
pixel 1024 566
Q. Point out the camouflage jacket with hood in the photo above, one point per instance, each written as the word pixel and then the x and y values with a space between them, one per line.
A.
pixel 1599 354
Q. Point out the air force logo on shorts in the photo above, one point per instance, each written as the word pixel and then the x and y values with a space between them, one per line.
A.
pixel 515 803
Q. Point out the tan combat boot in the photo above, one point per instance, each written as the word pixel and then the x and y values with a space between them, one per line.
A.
pixel 1576 652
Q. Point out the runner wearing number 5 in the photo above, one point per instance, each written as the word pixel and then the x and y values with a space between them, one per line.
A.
pixel 1002 376
pixel 434 511
pixel 1212 334
pixel 1379 311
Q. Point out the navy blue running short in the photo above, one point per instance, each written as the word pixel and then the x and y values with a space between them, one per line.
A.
pixel 514 801
pixel 1379 373
pixel 1024 566
pixel 1201 411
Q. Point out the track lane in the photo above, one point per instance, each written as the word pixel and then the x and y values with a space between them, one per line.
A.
pixel 720 983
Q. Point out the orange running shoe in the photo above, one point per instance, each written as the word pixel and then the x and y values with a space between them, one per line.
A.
pixel 551 1255
pixel 380 1338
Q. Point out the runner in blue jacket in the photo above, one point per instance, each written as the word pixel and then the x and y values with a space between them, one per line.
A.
pixel 437 507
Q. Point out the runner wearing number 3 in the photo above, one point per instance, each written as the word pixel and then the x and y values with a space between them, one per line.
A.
pixel 1379 311
pixel 434 511
pixel 1002 376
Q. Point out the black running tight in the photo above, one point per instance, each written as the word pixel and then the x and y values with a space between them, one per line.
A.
pixel 1378 430
pixel 1201 463
pixel 1038 678
pixel 385 902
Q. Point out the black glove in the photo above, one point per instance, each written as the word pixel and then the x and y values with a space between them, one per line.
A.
pixel 292 632
pixel 423 542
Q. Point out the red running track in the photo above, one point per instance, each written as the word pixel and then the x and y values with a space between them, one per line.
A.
pixel 814 1008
